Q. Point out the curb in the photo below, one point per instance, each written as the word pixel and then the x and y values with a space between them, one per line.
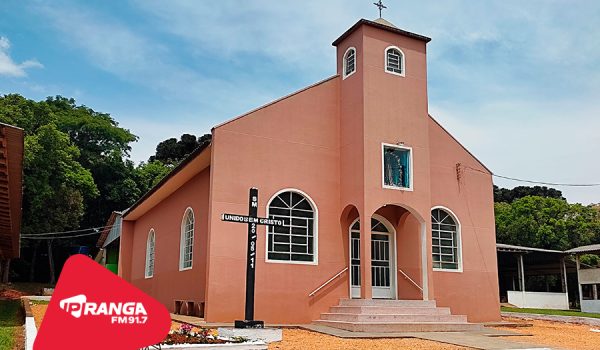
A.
pixel 30 328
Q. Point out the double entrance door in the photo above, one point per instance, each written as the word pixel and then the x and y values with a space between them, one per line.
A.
pixel 383 271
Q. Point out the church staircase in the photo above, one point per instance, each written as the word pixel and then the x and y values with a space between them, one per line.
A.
pixel 393 316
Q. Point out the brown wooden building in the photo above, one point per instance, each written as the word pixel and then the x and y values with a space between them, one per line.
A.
pixel 11 193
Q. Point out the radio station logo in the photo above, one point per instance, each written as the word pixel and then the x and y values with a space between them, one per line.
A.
pixel 90 300
pixel 122 313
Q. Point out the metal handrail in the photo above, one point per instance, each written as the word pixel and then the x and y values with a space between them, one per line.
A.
pixel 328 281
pixel 410 279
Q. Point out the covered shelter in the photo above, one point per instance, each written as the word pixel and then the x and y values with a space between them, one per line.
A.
pixel 588 278
pixel 109 242
pixel 533 277
pixel 11 193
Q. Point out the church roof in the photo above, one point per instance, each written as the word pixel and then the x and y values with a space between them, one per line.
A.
pixel 381 24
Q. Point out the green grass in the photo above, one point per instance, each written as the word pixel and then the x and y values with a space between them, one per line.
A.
pixel 550 312
pixel 11 317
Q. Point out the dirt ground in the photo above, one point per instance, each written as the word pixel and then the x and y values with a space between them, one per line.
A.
pixel 563 335
pixel 297 339
pixel 38 311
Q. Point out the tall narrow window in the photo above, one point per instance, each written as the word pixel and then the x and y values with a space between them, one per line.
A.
pixel 150 243
pixel 296 240
pixel 187 240
pixel 349 65
pixel 394 61
pixel 397 167
pixel 445 240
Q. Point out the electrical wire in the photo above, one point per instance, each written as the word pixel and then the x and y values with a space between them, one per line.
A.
pixel 63 237
pixel 73 231
pixel 532 181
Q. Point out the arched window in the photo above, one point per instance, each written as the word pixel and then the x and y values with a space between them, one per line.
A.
pixel 349 66
pixel 445 232
pixel 186 245
pixel 394 61
pixel 296 241
pixel 150 243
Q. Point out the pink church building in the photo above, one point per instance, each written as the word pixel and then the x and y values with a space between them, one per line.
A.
pixel 384 211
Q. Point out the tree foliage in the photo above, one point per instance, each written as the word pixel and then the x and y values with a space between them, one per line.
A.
pixel 510 195
pixel 55 184
pixel 173 151
pixel 548 223
pixel 76 166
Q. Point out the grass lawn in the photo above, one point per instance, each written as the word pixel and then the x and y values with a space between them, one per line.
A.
pixel 550 312
pixel 10 323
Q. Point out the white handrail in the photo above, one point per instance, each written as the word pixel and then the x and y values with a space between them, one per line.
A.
pixel 328 281
pixel 410 279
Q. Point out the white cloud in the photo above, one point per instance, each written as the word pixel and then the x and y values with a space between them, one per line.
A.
pixel 11 68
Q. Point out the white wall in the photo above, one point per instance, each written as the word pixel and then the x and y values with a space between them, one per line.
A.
pixel 539 300
pixel 589 276
pixel 590 306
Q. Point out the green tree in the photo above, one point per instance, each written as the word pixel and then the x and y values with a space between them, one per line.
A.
pixel 172 151
pixel 510 195
pixel 55 186
pixel 548 223
pixel 149 174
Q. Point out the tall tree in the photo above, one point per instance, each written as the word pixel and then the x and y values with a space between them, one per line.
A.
pixel 173 151
pixel 510 195
pixel 55 186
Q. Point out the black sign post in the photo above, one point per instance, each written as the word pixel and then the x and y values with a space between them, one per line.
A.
pixel 252 220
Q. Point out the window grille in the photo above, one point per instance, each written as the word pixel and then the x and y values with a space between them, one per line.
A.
pixel 349 62
pixel 150 244
pixel 394 61
pixel 445 240
pixel 187 240
pixel 295 241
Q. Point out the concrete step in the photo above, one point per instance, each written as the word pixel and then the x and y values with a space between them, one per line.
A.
pixel 392 318
pixel 390 310
pixel 393 327
pixel 387 302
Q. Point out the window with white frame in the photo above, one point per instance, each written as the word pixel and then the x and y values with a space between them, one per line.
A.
pixel 150 244
pixel 349 66
pixel 397 166
pixel 445 240
pixel 187 240
pixel 394 61
pixel 296 240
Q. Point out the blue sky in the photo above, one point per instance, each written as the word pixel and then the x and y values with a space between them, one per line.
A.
pixel 517 82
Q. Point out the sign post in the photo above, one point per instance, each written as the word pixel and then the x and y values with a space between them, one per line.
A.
pixel 252 220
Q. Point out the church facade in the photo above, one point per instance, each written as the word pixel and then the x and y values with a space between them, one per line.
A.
pixel 378 200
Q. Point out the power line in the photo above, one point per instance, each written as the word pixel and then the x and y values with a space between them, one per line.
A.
pixel 73 231
pixel 533 181
pixel 63 237
pixel 546 183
